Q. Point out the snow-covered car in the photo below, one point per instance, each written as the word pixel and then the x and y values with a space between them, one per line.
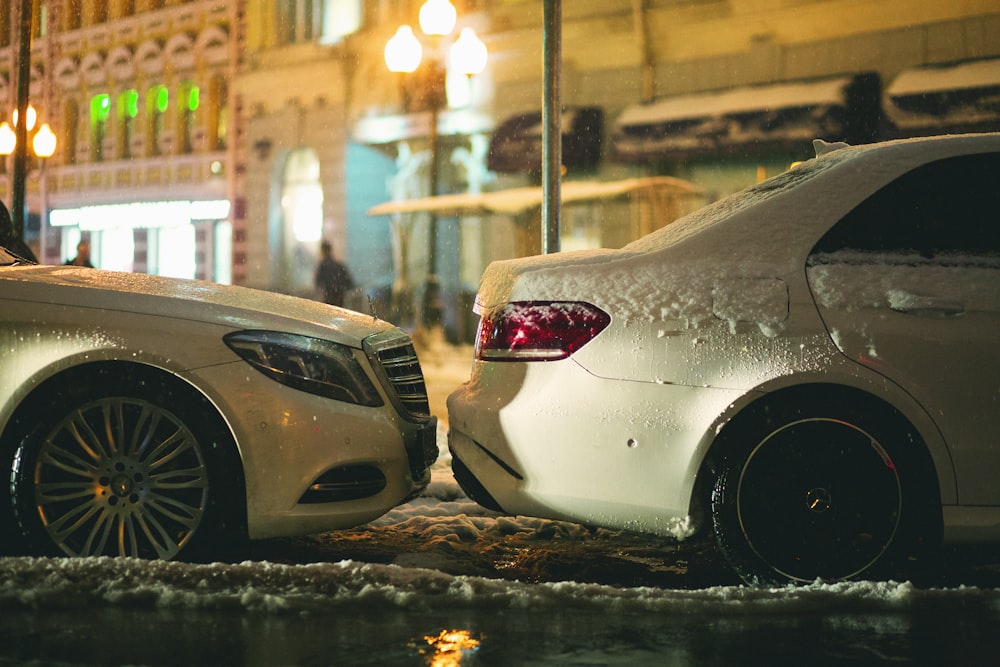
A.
pixel 153 417
pixel 810 368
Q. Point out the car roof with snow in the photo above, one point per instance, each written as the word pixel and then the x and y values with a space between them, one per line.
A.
pixel 882 159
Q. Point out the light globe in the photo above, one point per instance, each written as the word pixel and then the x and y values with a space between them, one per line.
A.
pixel 8 140
pixel 403 51
pixel 437 17
pixel 44 143
pixel 468 53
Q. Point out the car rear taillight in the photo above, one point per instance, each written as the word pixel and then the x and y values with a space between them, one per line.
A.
pixel 538 330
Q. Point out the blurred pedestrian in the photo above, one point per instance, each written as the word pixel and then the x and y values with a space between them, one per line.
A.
pixel 332 277
pixel 82 255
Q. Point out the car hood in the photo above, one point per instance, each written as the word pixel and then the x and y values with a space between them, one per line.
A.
pixel 194 300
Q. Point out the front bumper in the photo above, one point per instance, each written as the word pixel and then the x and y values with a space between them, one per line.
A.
pixel 291 441
pixel 421 452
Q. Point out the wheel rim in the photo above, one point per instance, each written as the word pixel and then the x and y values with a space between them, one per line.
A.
pixel 819 498
pixel 121 477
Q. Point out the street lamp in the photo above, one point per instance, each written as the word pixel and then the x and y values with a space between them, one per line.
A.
pixel 404 54
pixel 43 145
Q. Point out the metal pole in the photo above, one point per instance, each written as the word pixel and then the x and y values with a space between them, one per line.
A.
pixel 432 308
pixel 19 178
pixel 43 217
pixel 551 126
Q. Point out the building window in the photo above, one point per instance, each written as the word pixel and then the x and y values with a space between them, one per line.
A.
pixel 128 109
pixel 72 12
pixel 5 28
pixel 222 252
pixel 190 96
pixel 219 110
pixel 299 21
pixel 40 20
pixel 115 248
pixel 174 251
pixel 98 12
pixel 123 9
pixel 157 102
pixel 100 108
pixel 301 220
pixel 341 18
pixel 70 119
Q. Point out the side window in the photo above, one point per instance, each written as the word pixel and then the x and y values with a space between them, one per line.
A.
pixel 947 207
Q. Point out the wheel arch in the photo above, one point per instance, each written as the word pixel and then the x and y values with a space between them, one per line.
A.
pixel 932 470
pixel 40 397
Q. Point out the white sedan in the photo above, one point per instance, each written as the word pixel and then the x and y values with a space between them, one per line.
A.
pixel 145 416
pixel 810 368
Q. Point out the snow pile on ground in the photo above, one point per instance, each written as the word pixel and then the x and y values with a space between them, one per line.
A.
pixel 38 583
pixel 448 526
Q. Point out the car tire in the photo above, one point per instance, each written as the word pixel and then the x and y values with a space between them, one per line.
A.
pixel 126 463
pixel 821 490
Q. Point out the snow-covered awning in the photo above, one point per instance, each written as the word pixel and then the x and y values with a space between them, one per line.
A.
pixel 521 200
pixel 962 97
pixel 516 146
pixel 842 108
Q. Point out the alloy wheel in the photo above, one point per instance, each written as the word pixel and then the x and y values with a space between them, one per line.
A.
pixel 819 498
pixel 121 477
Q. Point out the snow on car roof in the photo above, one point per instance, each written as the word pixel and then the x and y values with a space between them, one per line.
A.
pixel 913 150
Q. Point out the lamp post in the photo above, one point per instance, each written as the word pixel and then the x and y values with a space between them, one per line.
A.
pixel 20 147
pixel 42 142
pixel 404 55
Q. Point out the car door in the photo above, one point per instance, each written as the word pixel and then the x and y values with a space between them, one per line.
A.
pixel 908 284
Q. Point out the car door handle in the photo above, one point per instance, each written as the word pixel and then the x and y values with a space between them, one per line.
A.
pixel 925 306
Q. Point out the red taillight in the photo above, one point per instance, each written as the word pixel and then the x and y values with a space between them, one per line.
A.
pixel 538 330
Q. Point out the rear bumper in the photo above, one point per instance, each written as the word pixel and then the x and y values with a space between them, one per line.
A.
pixel 551 440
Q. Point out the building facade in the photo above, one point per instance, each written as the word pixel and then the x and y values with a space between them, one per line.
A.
pixel 272 125
pixel 137 93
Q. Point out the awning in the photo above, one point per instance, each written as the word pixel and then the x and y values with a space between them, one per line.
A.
pixel 962 97
pixel 516 146
pixel 750 118
pixel 521 200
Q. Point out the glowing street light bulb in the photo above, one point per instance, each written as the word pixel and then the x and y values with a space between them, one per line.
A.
pixel 8 140
pixel 437 17
pixel 44 143
pixel 30 114
pixel 403 51
pixel 468 53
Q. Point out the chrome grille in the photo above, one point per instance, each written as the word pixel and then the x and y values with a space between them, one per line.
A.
pixel 400 368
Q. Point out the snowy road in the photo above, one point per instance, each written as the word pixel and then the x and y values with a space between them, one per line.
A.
pixel 443 581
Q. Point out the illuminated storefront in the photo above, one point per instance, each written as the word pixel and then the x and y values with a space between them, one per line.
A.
pixel 167 238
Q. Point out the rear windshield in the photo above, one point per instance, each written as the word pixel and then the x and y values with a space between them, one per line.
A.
pixel 739 201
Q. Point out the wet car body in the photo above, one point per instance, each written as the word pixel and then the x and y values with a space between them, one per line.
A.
pixel 775 367
pixel 293 417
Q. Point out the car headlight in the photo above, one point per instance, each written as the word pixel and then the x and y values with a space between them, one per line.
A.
pixel 312 365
